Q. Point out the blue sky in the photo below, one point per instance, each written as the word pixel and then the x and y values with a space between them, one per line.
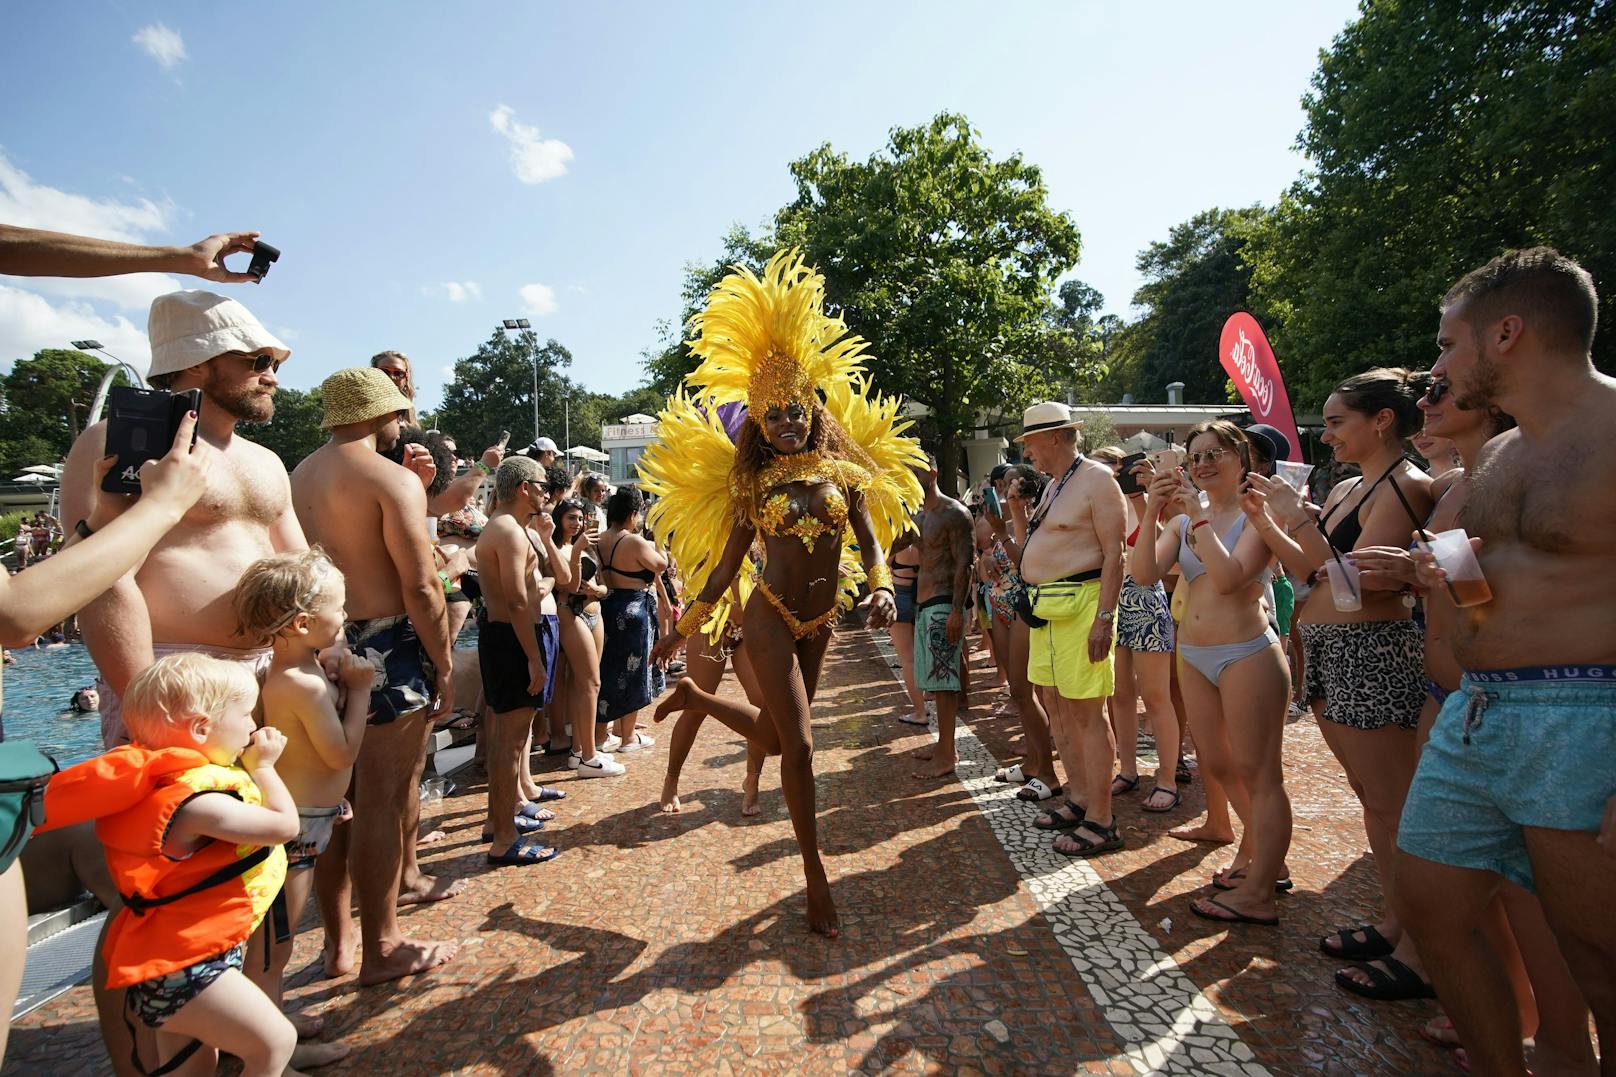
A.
pixel 429 169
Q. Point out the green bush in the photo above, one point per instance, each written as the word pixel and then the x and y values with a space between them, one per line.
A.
pixel 9 524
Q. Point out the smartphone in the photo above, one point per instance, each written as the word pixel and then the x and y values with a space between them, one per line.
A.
pixel 1164 461
pixel 141 424
pixel 1127 479
pixel 990 502
pixel 263 255
pixel 504 438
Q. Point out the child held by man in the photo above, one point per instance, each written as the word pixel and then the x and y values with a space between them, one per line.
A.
pixel 294 604
pixel 193 818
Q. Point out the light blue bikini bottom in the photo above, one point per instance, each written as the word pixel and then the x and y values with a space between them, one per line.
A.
pixel 1213 660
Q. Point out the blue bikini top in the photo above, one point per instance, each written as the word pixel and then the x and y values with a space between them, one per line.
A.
pixel 1191 567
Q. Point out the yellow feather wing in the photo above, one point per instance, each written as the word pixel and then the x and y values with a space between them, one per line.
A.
pixel 687 469
pixel 893 494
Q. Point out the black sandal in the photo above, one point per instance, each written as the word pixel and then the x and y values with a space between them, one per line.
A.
pixel 1110 841
pixel 1060 822
pixel 1174 793
pixel 1374 944
pixel 1128 785
pixel 1182 774
pixel 1395 983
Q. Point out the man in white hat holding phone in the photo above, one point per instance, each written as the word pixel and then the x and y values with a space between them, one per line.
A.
pixel 1072 567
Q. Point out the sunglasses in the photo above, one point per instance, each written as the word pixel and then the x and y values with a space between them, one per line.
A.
pixel 1210 456
pixel 399 376
pixel 260 363
pixel 1436 392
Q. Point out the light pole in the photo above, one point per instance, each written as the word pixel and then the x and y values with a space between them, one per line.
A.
pixel 523 323
pixel 100 400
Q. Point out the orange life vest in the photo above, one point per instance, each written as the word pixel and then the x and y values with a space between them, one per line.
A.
pixel 132 793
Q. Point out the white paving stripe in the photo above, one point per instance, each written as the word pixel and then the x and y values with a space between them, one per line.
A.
pixel 1168 1024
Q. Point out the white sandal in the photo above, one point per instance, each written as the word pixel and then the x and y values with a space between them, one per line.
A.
pixel 1012 774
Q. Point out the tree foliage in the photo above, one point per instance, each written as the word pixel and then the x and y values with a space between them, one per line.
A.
pixel 294 431
pixel 492 391
pixel 670 360
pixel 1492 129
pixel 47 401
pixel 943 258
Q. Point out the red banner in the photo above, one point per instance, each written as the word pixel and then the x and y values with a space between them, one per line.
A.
pixel 1250 364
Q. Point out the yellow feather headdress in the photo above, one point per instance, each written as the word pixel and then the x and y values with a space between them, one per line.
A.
pixel 766 339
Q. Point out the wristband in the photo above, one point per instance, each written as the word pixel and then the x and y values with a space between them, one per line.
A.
pixel 880 578
pixel 448 582
pixel 1199 523
pixel 1290 532
pixel 692 619
pixel 484 468
pixel 82 529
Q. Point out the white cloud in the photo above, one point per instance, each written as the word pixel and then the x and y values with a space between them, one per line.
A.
pixel 161 44
pixel 539 298
pixel 533 159
pixel 456 291
pixel 29 322
pixel 34 205
pixel 447 372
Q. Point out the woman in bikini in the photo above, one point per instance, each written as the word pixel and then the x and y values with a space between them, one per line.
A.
pixel 1364 667
pixel 1232 669
pixel 802 484
pixel 582 639
pixel 629 566
pixel 905 566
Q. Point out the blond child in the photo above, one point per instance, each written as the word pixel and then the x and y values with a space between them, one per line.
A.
pixel 294 604
pixel 193 818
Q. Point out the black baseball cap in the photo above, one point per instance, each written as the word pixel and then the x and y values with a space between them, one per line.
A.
pixel 1276 446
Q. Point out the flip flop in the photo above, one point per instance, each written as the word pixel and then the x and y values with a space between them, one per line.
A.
pixel 524 825
pixel 529 809
pixel 1128 785
pixel 1036 790
pixel 1060 823
pixel 1013 774
pixel 545 793
pixel 1174 793
pixel 1373 946
pixel 1220 881
pixel 1439 1030
pixel 1395 983
pixel 1235 916
pixel 908 719
pixel 459 720
pixel 524 853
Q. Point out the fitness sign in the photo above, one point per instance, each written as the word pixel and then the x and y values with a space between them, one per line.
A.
pixel 1248 360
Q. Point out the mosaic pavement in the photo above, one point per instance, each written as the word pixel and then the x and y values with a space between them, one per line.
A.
pixel 676 944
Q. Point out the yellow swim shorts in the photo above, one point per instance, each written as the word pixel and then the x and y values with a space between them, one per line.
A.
pixel 1058 653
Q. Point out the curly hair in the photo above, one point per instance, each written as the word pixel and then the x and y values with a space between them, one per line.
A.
pixel 753 452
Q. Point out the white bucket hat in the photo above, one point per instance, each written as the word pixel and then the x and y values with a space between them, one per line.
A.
pixel 1049 415
pixel 187 328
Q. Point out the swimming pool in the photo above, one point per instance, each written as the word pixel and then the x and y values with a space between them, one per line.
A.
pixel 38 688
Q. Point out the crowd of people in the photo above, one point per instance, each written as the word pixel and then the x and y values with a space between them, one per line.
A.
pixel 288 640
pixel 37 537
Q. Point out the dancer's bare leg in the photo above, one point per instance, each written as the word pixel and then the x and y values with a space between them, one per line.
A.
pixel 385 784
pixel 704 665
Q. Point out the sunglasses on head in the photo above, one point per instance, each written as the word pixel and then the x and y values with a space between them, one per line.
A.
pixel 262 362
pixel 1436 392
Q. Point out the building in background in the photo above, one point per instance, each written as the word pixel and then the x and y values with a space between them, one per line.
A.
pixel 623 444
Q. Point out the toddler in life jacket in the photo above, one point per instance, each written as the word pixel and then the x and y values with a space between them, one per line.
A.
pixel 294 604
pixel 193 819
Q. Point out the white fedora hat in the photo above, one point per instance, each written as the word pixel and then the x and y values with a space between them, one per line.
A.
pixel 1048 415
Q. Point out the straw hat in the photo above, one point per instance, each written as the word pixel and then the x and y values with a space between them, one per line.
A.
pixel 358 395
pixel 187 328
pixel 1049 415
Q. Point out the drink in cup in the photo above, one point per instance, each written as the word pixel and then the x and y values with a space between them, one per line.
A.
pixel 1466 585
pixel 1294 474
pixel 1344 587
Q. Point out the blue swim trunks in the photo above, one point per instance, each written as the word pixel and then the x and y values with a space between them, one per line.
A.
pixel 408 677
pixel 1509 751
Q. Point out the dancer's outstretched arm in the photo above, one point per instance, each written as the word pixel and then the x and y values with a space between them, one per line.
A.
pixel 729 564
pixel 882 607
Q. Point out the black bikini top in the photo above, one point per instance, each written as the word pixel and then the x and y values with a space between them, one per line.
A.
pixel 1349 529
pixel 644 575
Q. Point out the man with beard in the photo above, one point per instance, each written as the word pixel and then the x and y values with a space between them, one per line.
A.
pixel 179 597
pixel 1517 780
pixel 370 516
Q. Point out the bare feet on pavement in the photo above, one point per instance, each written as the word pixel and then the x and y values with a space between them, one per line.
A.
pixel 940 768
pixel 430 889
pixel 822 916
pixel 405 959
pixel 307 1056
pixel 339 959
pixel 1208 834
pixel 749 796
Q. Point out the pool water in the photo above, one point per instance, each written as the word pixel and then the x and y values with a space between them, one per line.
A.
pixel 37 690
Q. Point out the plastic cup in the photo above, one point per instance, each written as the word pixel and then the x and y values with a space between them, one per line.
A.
pixel 433 789
pixel 1466 584
pixel 1344 587
pixel 1294 474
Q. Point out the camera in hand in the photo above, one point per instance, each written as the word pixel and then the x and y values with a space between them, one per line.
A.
pixel 1127 479
pixel 141 424
pixel 263 255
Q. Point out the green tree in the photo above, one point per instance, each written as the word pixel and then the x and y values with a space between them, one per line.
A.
pixel 47 401
pixel 944 259
pixel 492 391
pixel 1193 282
pixel 1493 129
pixel 294 431
pixel 670 359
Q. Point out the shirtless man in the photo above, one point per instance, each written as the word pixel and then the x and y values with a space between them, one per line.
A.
pixel 179 597
pixel 1072 565
pixel 941 592
pixel 515 670
pixel 370 515
pixel 1517 775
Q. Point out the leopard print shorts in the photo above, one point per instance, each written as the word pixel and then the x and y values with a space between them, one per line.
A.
pixel 1370 675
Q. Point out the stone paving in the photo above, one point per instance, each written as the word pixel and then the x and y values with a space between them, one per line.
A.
pixel 677 944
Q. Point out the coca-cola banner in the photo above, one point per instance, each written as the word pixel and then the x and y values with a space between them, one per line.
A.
pixel 1250 364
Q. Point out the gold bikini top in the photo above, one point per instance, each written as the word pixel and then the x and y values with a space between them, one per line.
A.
pixel 772 509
